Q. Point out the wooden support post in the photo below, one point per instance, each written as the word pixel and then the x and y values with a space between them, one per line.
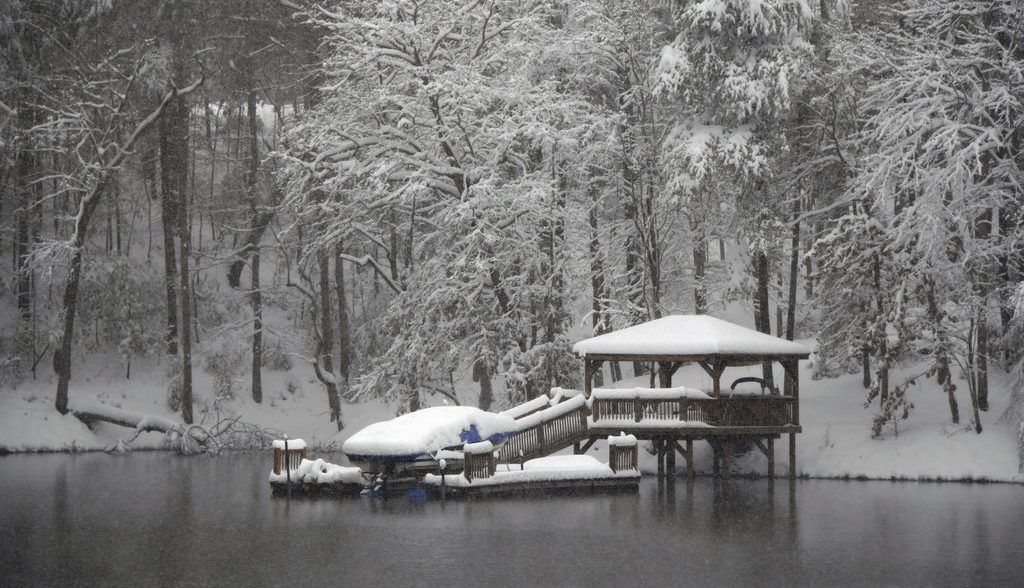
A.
pixel 792 456
pixel 725 460
pixel 590 367
pixel 716 470
pixel 659 452
pixel 714 369
pixel 771 460
pixel 670 458
pixel 689 460
pixel 584 447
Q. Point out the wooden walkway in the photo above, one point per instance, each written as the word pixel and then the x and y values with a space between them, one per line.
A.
pixel 673 424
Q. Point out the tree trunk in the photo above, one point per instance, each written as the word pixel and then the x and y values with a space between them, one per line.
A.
pixel 972 356
pixel 865 358
pixel 25 177
pixel 257 329
pixel 597 283
pixel 174 174
pixel 483 375
pixel 794 277
pixel 170 129
pixel 700 256
pixel 326 353
pixel 981 361
pixel 762 311
pixel 986 275
pixel 634 273
pixel 86 208
pixel 344 337
pixel 185 242
pixel 943 375
pixel 882 344
pixel 256 296
pixel 62 355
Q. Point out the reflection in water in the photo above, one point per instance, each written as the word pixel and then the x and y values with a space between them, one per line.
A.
pixel 162 519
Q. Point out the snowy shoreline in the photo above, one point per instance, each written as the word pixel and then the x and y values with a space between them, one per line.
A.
pixel 647 472
pixel 835 444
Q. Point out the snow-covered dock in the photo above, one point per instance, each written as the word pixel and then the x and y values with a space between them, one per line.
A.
pixel 556 473
pixel 673 418
pixel 486 448
pixel 318 477
pixel 294 474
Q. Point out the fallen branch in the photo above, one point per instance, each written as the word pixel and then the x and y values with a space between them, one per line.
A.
pixel 187 436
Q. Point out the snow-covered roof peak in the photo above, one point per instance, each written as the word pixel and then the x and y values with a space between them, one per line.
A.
pixel 687 335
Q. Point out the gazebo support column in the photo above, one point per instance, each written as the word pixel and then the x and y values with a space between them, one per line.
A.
pixel 670 457
pixel 768 449
pixel 689 460
pixel 659 453
pixel 716 463
pixel 714 368
pixel 667 455
pixel 590 367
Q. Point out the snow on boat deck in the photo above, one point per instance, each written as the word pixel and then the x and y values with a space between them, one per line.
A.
pixel 426 431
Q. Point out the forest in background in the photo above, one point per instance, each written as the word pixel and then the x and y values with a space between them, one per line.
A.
pixel 405 194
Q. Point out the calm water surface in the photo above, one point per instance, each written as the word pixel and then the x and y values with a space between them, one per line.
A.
pixel 159 519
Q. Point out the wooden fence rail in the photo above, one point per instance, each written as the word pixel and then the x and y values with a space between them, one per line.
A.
pixel 622 457
pixel 479 465
pixel 546 437
pixel 737 411
pixel 294 458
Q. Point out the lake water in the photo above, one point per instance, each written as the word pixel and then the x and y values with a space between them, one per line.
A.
pixel 160 519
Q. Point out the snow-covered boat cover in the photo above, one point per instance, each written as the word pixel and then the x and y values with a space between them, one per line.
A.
pixel 418 434
pixel 689 334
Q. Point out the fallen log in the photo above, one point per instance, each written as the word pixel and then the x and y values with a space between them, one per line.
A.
pixel 185 435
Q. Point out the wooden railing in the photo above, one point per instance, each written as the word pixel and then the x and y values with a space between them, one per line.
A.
pixel 622 457
pixel 737 411
pixel 293 459
pixel 479 465
pixel 755 411
pixel 546 437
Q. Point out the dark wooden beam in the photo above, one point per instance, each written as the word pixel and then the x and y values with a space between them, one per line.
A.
pixel 792 456
pixel 650 433
pixel 590 367
pixel 690 473
pixel 714 368
pixel 581 449
pixel 730 359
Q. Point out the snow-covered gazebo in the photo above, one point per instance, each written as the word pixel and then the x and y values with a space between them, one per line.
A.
pixel 715 345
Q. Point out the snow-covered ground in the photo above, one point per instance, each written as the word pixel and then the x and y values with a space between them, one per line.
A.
pixel 294 403
pixel 836 439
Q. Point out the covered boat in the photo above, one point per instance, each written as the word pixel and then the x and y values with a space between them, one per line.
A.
pixel 413 440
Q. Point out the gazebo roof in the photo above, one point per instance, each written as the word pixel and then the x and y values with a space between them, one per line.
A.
pixel 688 337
